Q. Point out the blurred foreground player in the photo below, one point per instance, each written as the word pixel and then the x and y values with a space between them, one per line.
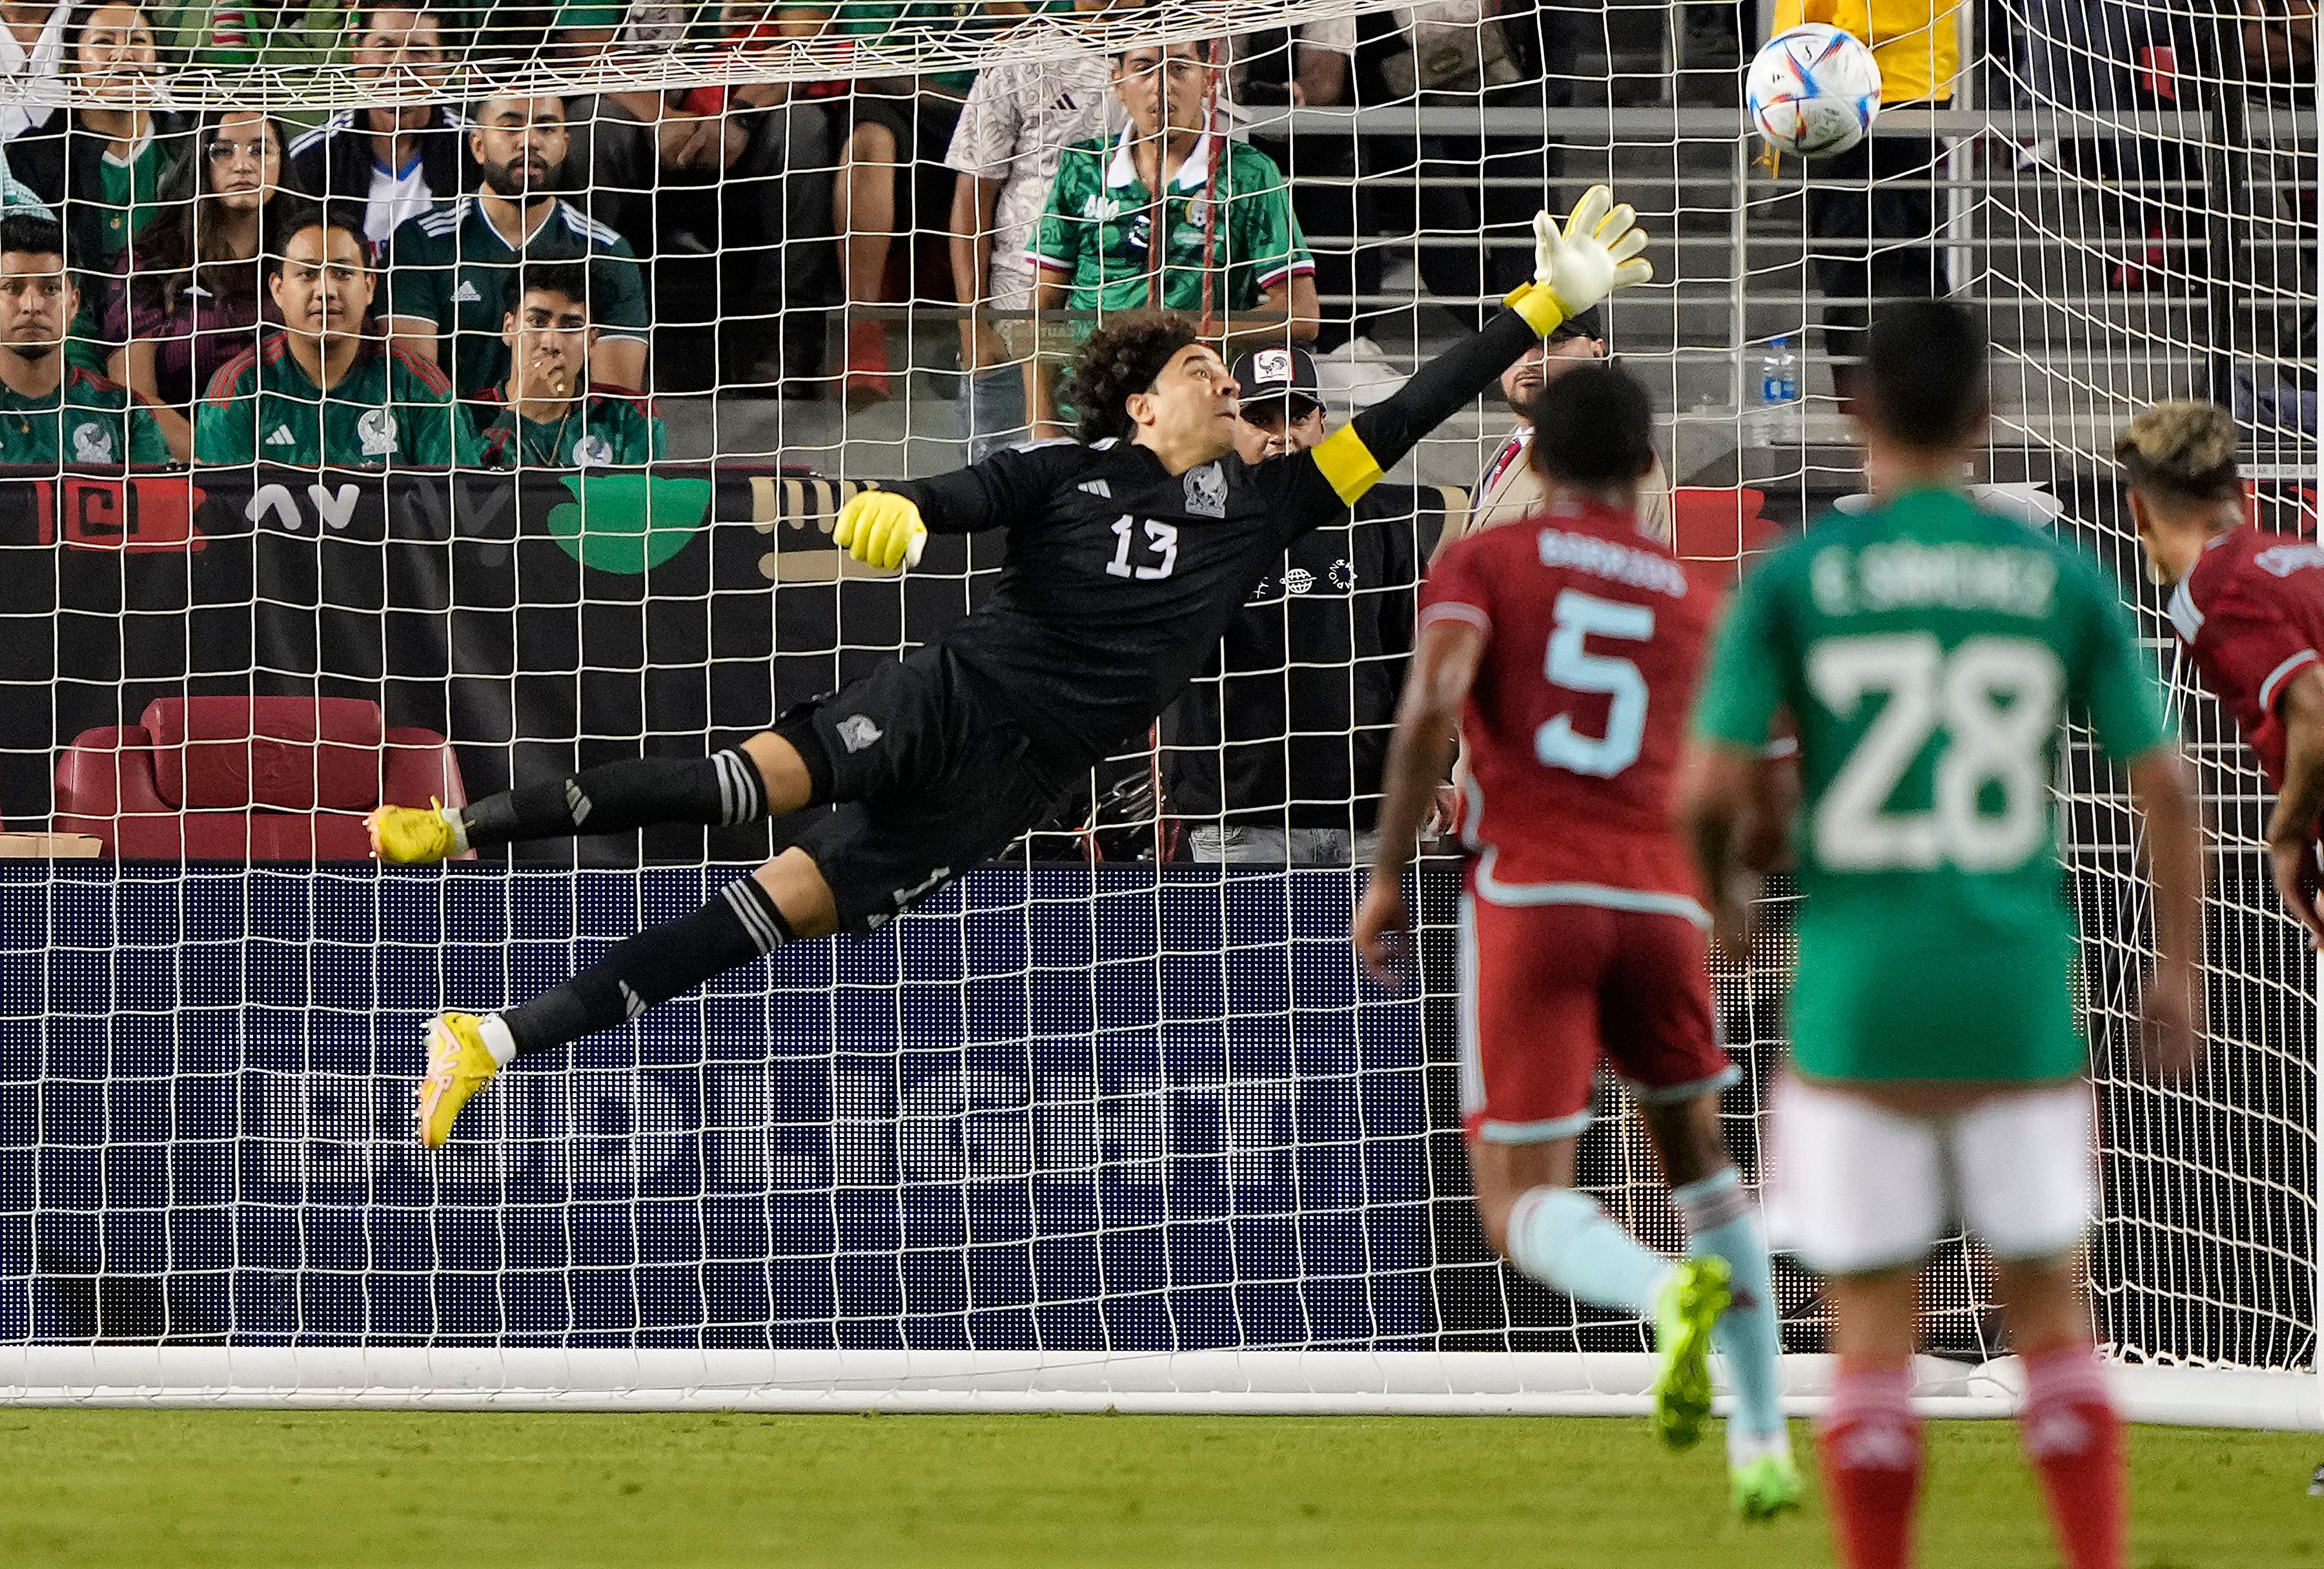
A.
pixel 1126 559
pixel 1928 654
pixel 2248 608
pixel 1582 930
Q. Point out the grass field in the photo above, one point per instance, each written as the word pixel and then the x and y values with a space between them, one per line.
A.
pixel 97 1489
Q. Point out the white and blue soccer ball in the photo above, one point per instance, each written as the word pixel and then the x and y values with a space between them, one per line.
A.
pixel 1813 90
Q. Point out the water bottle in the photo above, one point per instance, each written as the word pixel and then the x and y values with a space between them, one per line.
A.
pixel 1779 419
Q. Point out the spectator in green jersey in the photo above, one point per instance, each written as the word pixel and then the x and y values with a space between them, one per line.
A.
pixel 449 270
pixel 547 415
pixel 54 413
pixel 1224 212
pixel 319 393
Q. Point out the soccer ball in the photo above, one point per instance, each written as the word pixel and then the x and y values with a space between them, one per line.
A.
pixel 1813 90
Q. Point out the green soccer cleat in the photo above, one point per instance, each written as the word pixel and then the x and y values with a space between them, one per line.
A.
pixel 414 835
pixel 1689 1305
pixel 1765 1486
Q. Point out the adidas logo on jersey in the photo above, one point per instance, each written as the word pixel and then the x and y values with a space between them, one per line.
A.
pixel 280 436
pixel 465 294
pixel 1096 487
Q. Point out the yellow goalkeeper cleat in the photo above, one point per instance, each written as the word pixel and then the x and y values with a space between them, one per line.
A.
pixel 459 1064
pixel 410 837
pixel 1688 1309
pixel 1765 1486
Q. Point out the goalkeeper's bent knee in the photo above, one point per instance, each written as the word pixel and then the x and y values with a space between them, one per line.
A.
pixel 719 791
pixel 740 923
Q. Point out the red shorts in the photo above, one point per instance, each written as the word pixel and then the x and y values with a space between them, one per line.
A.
pixel 1547 989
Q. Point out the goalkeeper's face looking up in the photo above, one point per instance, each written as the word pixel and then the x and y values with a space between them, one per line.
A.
pixel 1148 381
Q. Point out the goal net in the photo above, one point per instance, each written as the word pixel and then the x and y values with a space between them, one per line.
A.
pixel 1114 1120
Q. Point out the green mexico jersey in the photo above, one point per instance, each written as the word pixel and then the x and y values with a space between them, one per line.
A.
pixel 601 430
pixel 392 409
pixel 87 421
pixel 1928 654
pixel 1092 237
pixel 452 267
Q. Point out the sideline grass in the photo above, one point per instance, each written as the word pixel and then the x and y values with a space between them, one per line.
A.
pixel 144 1490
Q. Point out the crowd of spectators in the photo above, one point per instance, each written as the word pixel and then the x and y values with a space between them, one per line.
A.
pixel 717 235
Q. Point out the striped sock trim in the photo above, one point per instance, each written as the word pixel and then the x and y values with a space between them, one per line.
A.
pixel 1713 1202
pixel 742 794
pixel 762 921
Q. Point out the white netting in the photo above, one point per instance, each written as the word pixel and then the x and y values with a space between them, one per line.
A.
pixel 1131 1111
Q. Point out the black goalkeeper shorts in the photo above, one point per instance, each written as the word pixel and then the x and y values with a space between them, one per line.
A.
pixel 927 782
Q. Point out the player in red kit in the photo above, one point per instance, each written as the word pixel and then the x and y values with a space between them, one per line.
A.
pixel 2248 608
pixel 1565 647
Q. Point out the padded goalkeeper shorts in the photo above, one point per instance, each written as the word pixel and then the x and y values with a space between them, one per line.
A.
pixel 922 783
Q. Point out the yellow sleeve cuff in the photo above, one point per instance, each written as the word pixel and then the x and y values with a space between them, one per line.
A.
pixel 1541 310
pixel 1347 463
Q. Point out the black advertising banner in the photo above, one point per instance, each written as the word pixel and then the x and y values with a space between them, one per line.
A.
pixel 543 621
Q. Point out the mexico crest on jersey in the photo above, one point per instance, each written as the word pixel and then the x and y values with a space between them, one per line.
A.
pixel 92 443
pixel 1206 490
pixel 377 432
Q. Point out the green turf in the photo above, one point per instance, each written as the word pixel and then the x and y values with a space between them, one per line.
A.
pixel 96 1489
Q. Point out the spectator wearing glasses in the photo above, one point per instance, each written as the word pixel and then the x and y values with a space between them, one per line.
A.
pixel 1230 241
pixel 547 415
pixel 449 270
pixel 397 159
pixel 1276 751
pixel 191 295
pixel 321 392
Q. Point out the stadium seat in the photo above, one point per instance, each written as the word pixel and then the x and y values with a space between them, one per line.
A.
pixel 1715 530
pixel 243 779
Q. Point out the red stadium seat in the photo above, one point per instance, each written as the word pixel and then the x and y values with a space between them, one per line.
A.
pixel 1714 531
pixel 243 779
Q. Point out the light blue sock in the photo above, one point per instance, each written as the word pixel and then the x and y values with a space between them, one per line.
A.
pixel 1721 1219
pixel 1563 1239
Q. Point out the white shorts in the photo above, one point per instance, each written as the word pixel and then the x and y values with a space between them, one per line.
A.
pixel 1854 1187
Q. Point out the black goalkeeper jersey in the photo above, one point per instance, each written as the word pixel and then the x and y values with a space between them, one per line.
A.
pixel 1120 576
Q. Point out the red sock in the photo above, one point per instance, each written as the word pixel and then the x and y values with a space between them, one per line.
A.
pixel 2073 1436
pixel 1871 1444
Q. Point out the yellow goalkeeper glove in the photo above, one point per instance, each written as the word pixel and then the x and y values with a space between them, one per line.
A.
pixel 880 529
pixel 1597 253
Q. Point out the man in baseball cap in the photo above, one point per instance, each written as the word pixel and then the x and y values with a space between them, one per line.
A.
pixel 1282 404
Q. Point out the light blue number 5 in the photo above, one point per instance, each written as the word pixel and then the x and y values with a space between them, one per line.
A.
pixel 1574 668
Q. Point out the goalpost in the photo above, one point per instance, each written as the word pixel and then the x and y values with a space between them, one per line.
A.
pixel 1098 1128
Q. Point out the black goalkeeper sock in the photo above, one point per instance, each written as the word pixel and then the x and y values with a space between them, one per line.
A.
pixel 720 790
pixel 737 926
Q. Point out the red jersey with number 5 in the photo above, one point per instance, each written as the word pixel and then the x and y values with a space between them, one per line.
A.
pixel 2251 614
pixel 1574 727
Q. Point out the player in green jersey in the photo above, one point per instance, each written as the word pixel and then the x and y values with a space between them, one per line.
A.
pixel 1928 654
pixel 547 414
pixel 51 412
pixel 448 269
pixel 1230 245
pixel 319 393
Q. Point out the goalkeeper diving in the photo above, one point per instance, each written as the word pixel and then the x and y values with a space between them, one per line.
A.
pixel 1127 558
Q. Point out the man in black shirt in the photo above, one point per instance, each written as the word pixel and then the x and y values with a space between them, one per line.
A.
pixel 1127 558
pixel 1275 751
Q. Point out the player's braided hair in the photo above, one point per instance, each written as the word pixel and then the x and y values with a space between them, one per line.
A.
pixel 2184 451
pixel 1118 359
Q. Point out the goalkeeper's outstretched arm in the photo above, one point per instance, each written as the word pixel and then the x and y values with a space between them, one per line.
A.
pixel 1597 252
